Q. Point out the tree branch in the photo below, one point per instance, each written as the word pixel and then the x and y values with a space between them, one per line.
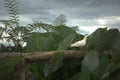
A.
pixel 41 56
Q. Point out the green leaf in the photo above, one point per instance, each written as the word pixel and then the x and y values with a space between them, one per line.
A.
pixel 35 71
pixel 53 64
pixel 116 57
pixel 40 42
pixel 83 75
pixel 102 70
pixel 116 43
pixel 66 42
pixel 90 61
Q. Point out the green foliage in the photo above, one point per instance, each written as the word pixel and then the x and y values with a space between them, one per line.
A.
pixel 13 23
pixel 40 42
pixel 63 31
pixel 41 25
pixel 103 63
pixel 35 71
pixel 60 20
pixel 116 43
pixel 102 39
pixel 75 28
pixel 66 42
pixel 90 61
pixel 12 27
pixel 94 66
pixel 13 10
pixel 53 64
pixel 51 41
pixel 1 31
pixel 83 75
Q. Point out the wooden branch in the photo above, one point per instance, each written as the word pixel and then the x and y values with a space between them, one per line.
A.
pixel 41 56
pixel 8 55
pixel 20 71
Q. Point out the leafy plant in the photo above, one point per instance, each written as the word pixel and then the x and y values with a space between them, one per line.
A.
pixel 66 42
pixel 13 11
pixel 83 75
pixel 90 61
pixel 41 26
pixel 102 39
pixel 53 64
pixel 10 25
pixel 60 20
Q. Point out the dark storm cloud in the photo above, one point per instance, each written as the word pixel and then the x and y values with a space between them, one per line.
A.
pixel 82 7
pixel 79 8
pixel 85 11
pixel 74 8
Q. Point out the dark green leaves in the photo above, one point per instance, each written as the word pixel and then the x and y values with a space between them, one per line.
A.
pixel 66 42
pixel 83 75
pixel 60 20
pixel 91 61
pixel 53 64
pixel 13 10
pixel 102 39
pixel 40 42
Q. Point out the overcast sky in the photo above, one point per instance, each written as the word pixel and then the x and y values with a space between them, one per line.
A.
pixel 87 14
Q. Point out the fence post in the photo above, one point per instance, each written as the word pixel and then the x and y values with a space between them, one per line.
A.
pixel 20 71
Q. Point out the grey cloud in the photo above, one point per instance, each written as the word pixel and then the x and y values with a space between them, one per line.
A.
pixel 83 8
pixel 113 25
pixel 47 10
pixel 89 3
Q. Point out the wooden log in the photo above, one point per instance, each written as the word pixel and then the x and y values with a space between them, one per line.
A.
pixel 20 71
pixel 41 56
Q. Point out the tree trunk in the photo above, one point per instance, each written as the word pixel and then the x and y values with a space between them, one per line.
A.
pixel 20 71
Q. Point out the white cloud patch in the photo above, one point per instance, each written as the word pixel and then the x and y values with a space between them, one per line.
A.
pixel 24 20
pixel 102 21
pixel 90 29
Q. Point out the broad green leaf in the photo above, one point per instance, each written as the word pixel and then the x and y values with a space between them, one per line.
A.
pixel 102 68
pixel 116 57
pixel 40 42
pixel 35 71
pixel 116 43
pixel 53 64
pixel 115 67
pixel 66 42
pixel 102 39
pixel 90 61
pixel 83 75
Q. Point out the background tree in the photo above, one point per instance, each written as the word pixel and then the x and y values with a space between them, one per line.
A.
pixel 1 31
pixel 10 25
pixel 60 20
